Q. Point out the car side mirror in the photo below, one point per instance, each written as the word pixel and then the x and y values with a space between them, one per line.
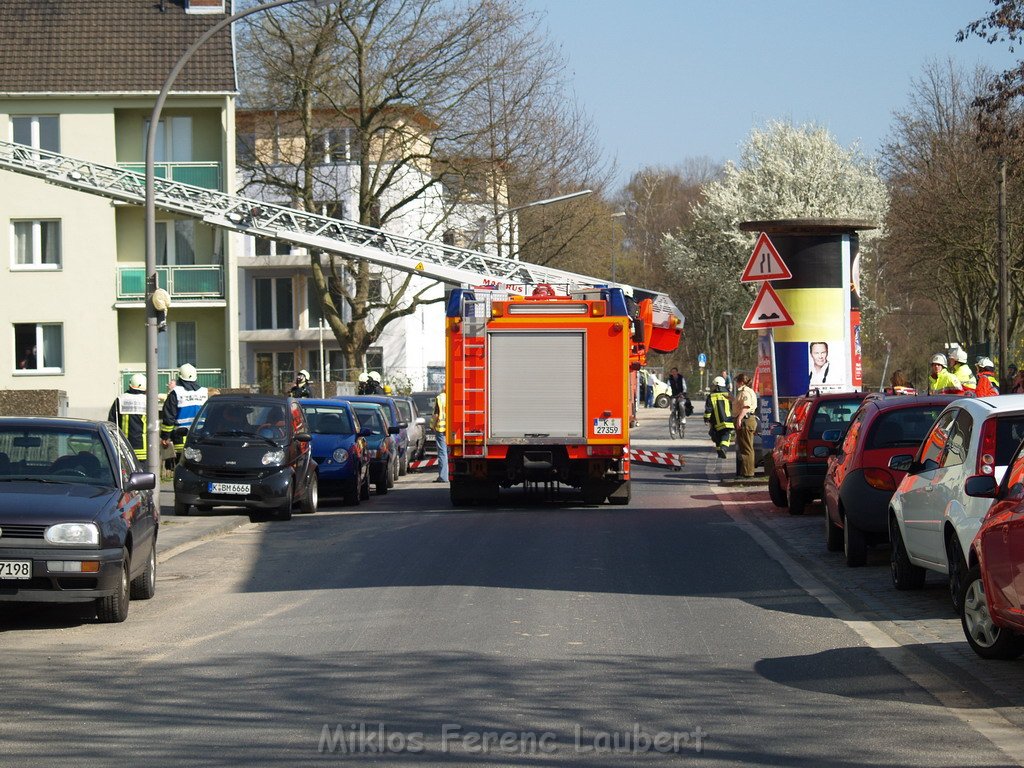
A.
pixel 303 437
pixel 394 430
pixel 365 432
pixel 832 435
pixel 901 463
pixel 822 451
pixel 140 481
pixel 420 420
pixel 981 486
pixel 403 424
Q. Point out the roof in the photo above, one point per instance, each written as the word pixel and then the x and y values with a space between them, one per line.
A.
pixel 115 46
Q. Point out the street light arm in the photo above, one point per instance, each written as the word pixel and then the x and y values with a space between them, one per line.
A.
pixel 547 201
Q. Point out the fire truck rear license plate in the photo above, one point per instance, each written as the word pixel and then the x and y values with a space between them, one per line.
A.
pixel 607 426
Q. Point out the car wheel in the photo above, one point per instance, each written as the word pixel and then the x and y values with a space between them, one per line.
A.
pixel 985 638
pixel 385 482
pixel 392 473
pixel 905 575
pixel 284 512
pixel 364 490
pixel 957 564
pixel 350 492
pixel 311 498
pixel 833 533
pixel 855 547
pixel 403 464
pixel 661 401
pixel 143 586
pixel 775 492
pixel 797 502
pixel 181 509
pixel 114 608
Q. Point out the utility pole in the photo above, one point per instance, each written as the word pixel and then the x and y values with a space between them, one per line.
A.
pixel 1004 346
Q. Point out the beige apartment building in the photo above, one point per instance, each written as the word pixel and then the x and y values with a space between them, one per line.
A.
pixel 81 81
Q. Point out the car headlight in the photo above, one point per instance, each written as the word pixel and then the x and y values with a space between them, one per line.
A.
pixel 371 453
pixel 192 454
pixel 273 457
pixel 73 533
pixel 340 455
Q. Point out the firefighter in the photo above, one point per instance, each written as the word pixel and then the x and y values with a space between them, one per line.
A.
pixel 988 384
pixel 438 424
pixel 301 388
pixel 128 412
pixel 181 407
pixel 373 385
pixel 942 382
pixel 958 367
pixel 718 415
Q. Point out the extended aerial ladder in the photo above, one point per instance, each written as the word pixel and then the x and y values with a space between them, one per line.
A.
pixel 427 258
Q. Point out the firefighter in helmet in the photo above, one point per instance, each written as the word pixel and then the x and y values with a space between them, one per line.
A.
pixel 958 367
pixel 301 388
pixel 128 412
pixel 988 384
pixel 181 407
pixel 942 382
pixel 718 415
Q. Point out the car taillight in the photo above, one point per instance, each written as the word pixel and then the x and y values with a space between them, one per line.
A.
pixel 801 449
pixel 987 449
pixel 880 478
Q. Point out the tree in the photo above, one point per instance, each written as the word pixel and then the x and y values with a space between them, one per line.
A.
pixel 784 171
pixel 435 105
pixel 1004 24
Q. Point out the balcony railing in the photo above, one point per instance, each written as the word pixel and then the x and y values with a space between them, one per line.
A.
pixel 208 377
pixel 192 281
pixel 205 175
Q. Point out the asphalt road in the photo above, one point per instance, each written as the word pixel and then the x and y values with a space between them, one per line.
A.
pixel 693 626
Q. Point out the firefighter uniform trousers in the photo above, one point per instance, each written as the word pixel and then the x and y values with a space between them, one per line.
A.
pixel 718 417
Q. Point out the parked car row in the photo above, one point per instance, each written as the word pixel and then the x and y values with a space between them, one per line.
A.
pixel 940 479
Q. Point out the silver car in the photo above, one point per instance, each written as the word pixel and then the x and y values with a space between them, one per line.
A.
pixel 417 428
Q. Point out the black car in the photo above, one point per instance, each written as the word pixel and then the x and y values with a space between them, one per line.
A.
pixel 249 451
pixel 77 520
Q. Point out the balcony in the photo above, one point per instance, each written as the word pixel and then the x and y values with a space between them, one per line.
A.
pixel 208 377
pixel 192 282
pixel 206 175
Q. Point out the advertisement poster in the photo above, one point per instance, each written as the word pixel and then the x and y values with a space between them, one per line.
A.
pixel 764 386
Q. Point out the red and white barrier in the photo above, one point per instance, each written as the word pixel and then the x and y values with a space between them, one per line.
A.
pixel 422 464
pixel 659 458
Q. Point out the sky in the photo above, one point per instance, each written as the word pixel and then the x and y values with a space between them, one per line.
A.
pixel 667 80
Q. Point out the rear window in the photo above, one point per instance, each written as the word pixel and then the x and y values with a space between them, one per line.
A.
pixel 832 414
pixel 327 420
pixel 1009 433
pixel 372 419
pixel 903 427
pixel 405 410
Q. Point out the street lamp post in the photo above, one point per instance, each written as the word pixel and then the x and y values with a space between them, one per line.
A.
pixel 618 215
pixel 152 330
pixel 516 209
pixel 728 351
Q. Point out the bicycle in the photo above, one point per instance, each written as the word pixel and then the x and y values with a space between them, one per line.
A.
pixel 677 418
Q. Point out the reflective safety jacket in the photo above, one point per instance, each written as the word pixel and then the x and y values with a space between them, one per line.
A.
pixel 944 384
pixel 718 411
pixel 437 423
pixel 966 377
pixel 129 414
pixel 180 409
pixel 988 384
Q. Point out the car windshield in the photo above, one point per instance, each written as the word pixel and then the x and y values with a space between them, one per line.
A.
pixel 233 418
pixel 832 414
pixel 424 401
pixel 405 410
pixel 54 454
pixel 328 420
pixel 371 418
pixel 903 427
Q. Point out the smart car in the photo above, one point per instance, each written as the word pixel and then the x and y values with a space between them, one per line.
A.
pixel 339 448
pixel 77 519
pixel 248 451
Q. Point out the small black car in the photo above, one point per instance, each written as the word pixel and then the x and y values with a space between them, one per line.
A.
pixel 77 520
pixel 247 451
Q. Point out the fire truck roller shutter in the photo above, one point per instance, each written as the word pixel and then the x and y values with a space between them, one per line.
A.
pixel 536 384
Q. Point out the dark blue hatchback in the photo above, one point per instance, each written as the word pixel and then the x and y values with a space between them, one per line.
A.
pixel 339 448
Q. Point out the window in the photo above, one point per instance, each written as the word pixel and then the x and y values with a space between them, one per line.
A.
pixel 375 360
pixel 313 301
pixel 35 244
pixel 273 302
pixel 935 443
pixel 177 346
pixel 175 242
pixel 275 371
pixel 374 291
pixel 341 145
pixel 39 347
pixel 336 370
pixel 333 209
pixel 245 148
pixel 173 139
pixel 267 247
pixel 959 441
pixel 38 131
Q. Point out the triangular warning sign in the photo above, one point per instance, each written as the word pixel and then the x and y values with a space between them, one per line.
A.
pixel 767 311
pixel 765 263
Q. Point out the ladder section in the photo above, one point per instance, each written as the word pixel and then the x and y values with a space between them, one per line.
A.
pixel 428 258
pixel 474 376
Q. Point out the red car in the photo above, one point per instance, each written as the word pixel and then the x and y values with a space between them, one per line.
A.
pixel 992 595
pixel 859 481
pixel 795 474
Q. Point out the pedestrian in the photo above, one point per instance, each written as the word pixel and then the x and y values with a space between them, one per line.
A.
pixel 718 415
pixel 942 382
pixel 958 367
pixel 181 407
pixel 128 412
pixel 745 409
pixel 301 388
pixel 651 381
pixel 988 384
pixel 899 385
pixel 28 359
pixel 727 379
pixel 644 386
pixel 438 423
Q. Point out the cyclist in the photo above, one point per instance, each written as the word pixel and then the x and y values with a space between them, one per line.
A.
pixel 678 411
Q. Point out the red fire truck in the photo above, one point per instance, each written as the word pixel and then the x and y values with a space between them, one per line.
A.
pixel 539 389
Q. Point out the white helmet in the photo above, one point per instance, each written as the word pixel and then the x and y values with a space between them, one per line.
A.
pixel 984 362
pixel 137 381
pixel 940 359
pixel 957 355
pixel 188 372
pixel 718 381
pixel 375 376
pixel 304 374
pixel 363 376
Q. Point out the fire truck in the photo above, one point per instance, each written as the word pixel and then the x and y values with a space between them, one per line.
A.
pixel 540 389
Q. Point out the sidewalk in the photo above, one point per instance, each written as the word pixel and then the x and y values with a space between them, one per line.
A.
pixel 178 532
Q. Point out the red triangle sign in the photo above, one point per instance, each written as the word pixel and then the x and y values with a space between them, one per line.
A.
pixel 765 263
pixel 767 311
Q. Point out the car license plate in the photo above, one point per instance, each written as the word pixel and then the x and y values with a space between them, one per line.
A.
pixel 607 426
pixel 15 569
pixel 233 489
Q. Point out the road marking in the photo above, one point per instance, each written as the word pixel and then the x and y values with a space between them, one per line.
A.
pixel 965 707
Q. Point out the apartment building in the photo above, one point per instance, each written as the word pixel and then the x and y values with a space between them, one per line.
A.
pixel 80 77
